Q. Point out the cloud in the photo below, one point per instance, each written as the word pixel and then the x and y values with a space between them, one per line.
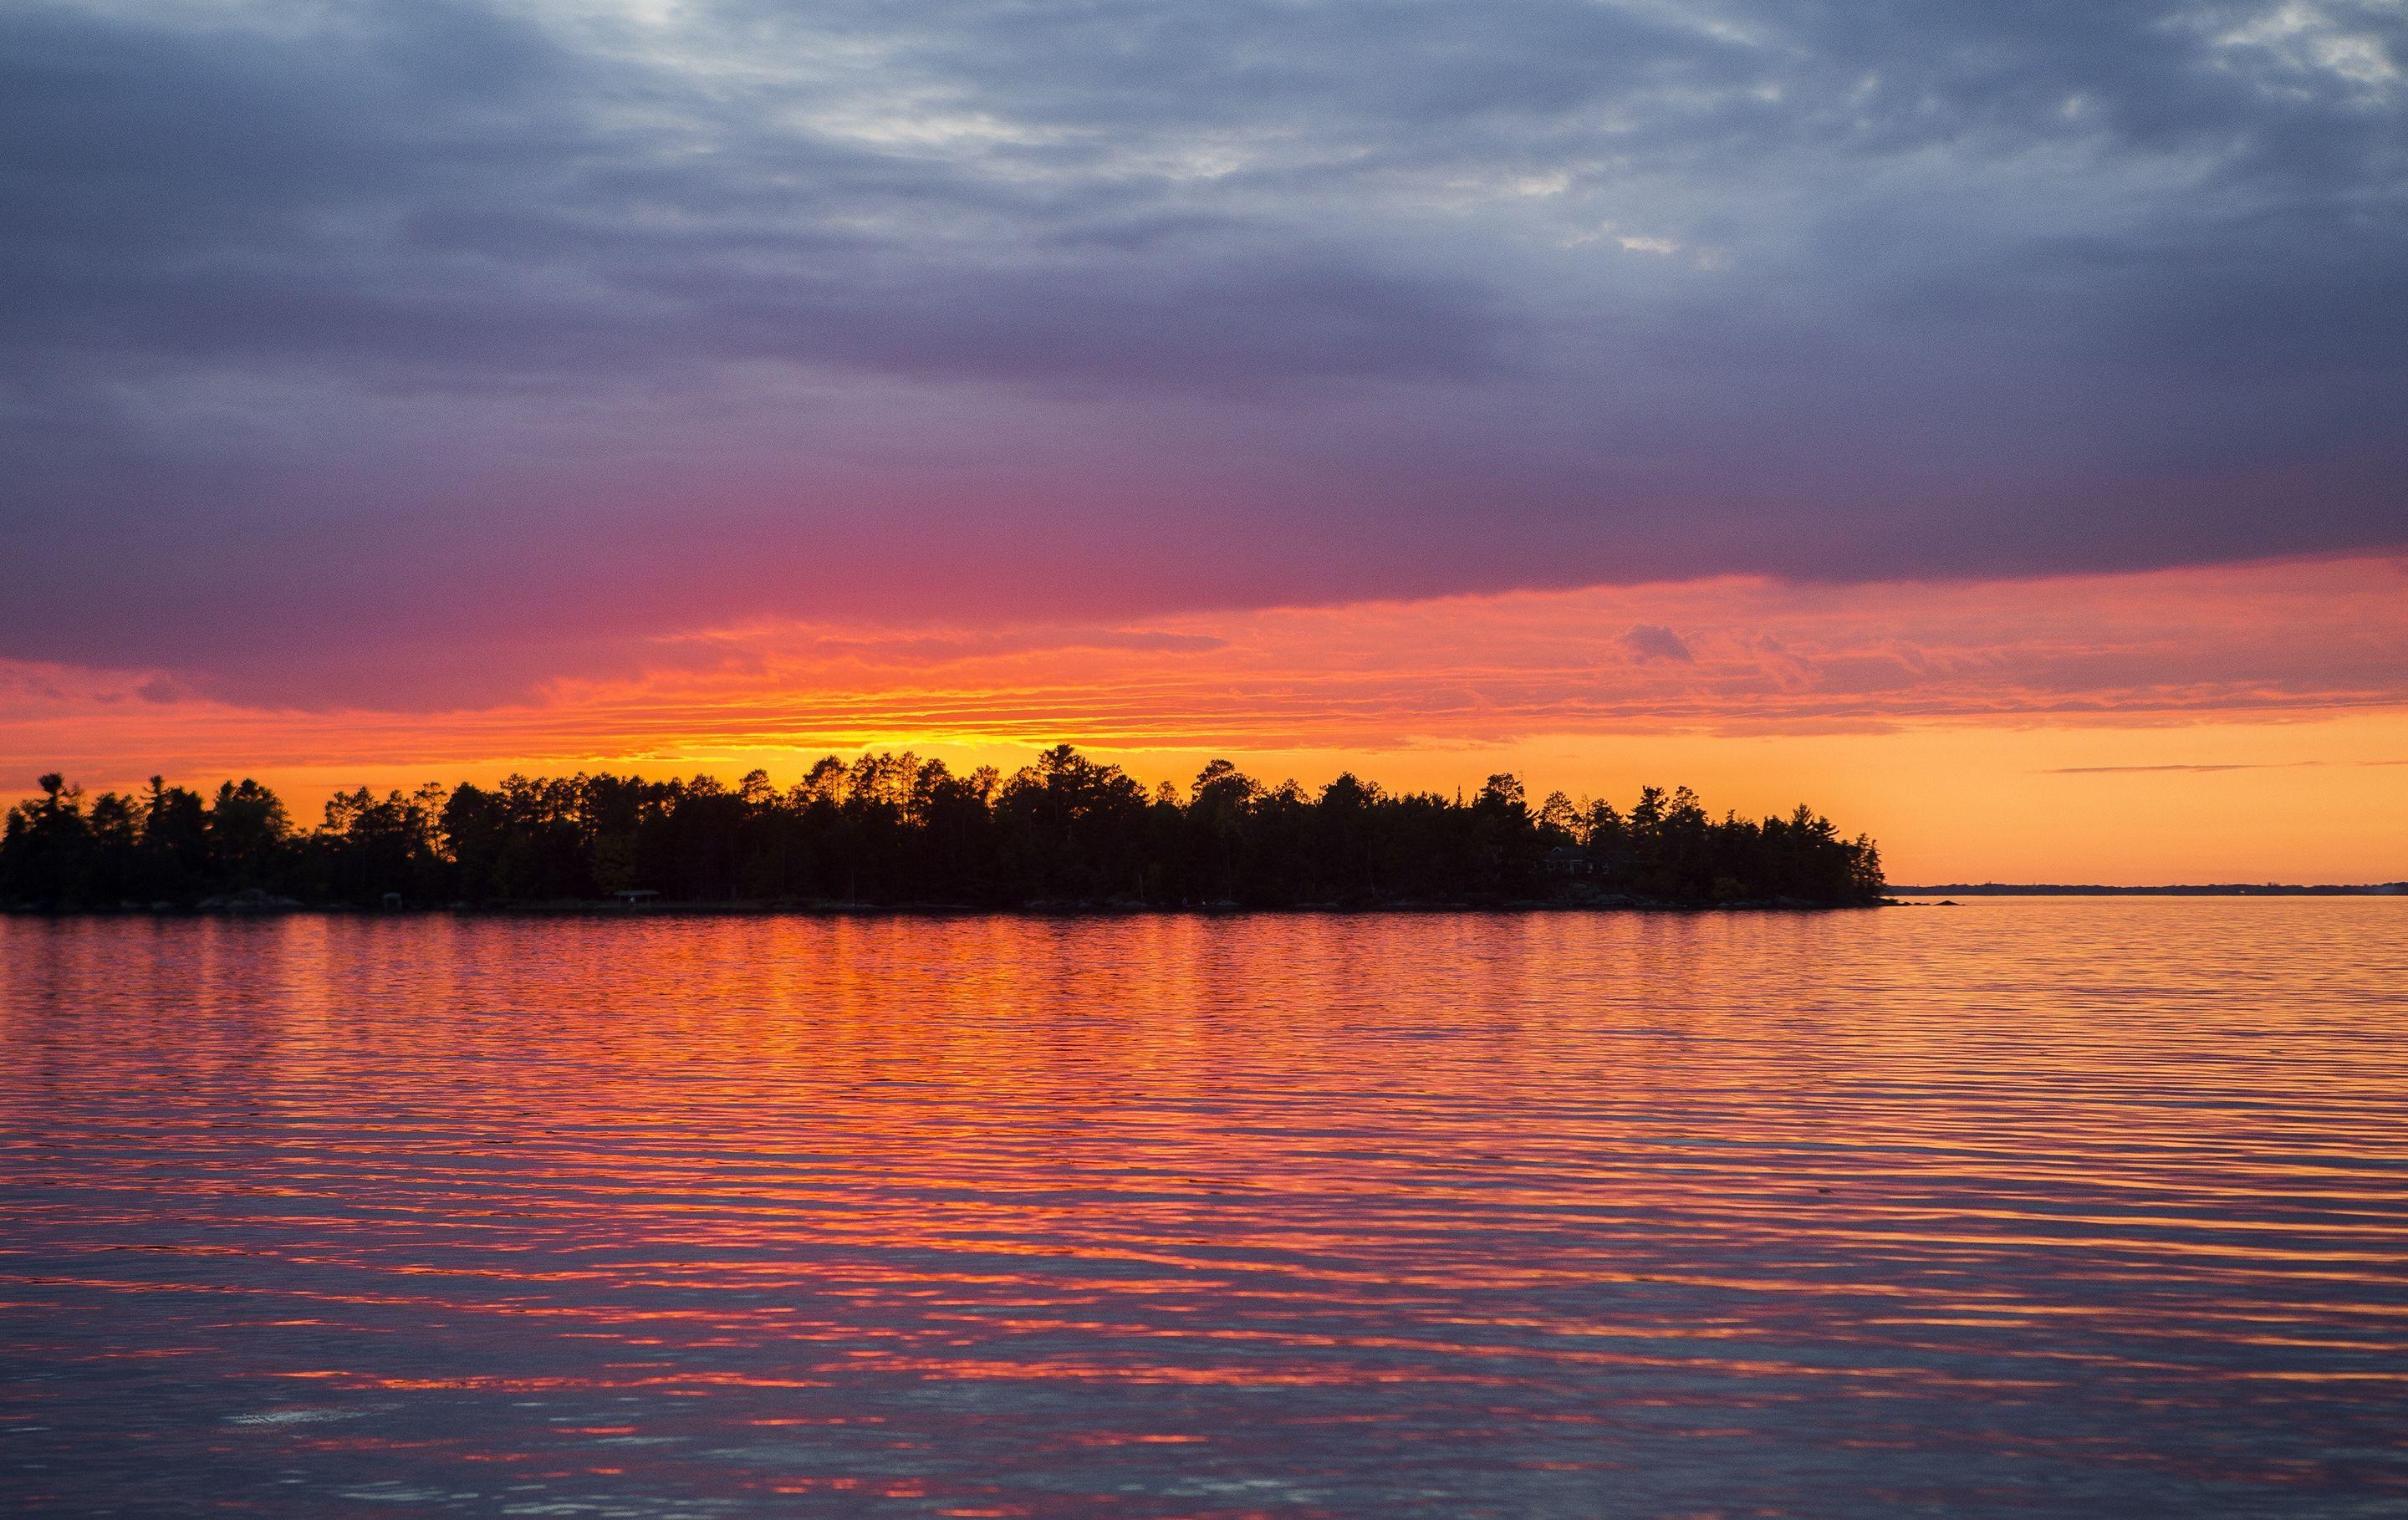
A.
pixel 2169 651
pixel 2204 769
pixel 2153 771
pixel 1654 642
pixel 419 330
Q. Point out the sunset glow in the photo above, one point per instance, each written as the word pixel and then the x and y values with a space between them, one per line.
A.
pixel 2236 723
pixel 1203 759
pixel 1940 413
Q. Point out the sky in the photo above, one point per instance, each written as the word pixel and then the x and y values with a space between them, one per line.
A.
pixel 1989 423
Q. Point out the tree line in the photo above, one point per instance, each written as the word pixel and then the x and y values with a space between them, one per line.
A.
pixel 896 829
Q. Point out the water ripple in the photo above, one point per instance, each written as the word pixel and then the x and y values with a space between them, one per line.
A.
pixel 2028 1207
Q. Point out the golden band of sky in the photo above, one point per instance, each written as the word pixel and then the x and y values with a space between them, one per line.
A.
pixel 2234 722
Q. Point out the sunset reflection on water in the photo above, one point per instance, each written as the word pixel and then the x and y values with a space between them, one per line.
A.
pixel 2072 1207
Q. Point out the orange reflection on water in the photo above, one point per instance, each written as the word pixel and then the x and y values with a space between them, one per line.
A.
pixel 2072 1205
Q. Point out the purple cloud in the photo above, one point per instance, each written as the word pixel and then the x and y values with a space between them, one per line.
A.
pixel 438 335
pixel 1654 642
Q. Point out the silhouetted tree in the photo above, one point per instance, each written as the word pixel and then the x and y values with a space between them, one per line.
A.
pixel 892 828
pixel 176 867
pixel 247 834
pixel 45 856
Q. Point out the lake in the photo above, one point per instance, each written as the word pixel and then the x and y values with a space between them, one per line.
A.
pixel 2027 1207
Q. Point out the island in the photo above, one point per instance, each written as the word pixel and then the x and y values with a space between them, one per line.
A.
pixel 891 830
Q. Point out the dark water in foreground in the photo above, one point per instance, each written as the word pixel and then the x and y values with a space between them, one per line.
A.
pixel 2061 1207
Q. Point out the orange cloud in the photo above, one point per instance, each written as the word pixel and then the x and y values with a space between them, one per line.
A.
pixel 1697 673
pixel 1726 656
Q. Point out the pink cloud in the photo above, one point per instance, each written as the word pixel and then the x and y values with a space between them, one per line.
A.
pixel 2265 640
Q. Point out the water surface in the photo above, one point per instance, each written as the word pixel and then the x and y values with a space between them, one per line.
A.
pixel 2071 1207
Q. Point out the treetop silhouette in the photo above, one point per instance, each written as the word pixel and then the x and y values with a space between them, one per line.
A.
pixel 892 829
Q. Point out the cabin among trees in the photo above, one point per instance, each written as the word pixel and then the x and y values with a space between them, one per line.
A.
pixel 894 829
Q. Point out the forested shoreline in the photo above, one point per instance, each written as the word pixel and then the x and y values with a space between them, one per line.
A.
pixel 893 830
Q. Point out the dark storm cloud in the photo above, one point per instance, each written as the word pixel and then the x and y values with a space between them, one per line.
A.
pixel 442 188
pixel 371 326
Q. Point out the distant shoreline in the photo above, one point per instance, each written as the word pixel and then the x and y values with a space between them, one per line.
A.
pixel 922 910
pixel 2269 889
